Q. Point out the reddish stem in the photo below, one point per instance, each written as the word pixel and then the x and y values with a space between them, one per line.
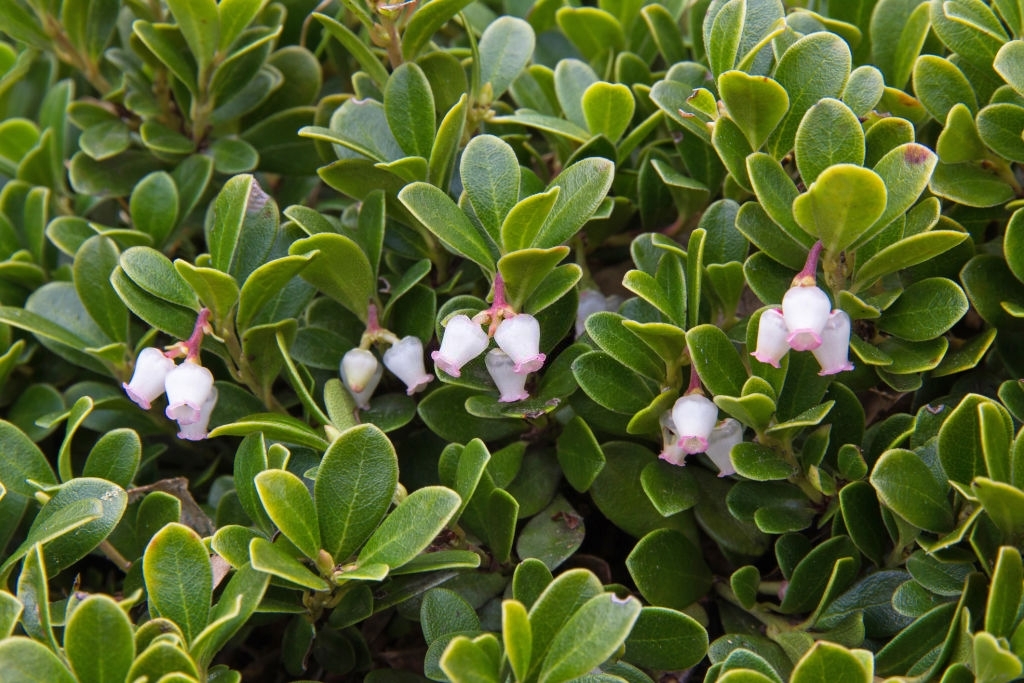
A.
pixel 193 343
pixel 695 386
pixel 807 277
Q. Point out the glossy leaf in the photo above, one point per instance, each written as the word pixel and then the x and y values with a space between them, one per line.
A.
pixel 179 580
pixel 410 527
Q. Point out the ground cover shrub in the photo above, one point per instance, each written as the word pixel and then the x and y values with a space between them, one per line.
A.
pixel 511 341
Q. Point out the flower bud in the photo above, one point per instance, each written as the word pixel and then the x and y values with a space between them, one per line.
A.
pixel 188 386
pixel 724 436
pixel 519 337
pixel 198 430
pixel 806 310
pixel 834 353
pixel 405 361
pixel 360 373
pixel 463 340
pixel 511 384
pixel 694 417
pixel 147 383
pixel 771 338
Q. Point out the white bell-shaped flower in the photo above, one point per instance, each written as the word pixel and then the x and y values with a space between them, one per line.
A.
pixel 834 353
pixel 360 373
pixel 724 436
pixel 593 301
pixel 188 386
pixel 405 361
pixel 806 310
pixel 198 430
pixel 670 450
pixel 511 384
pixel 519 337
pixel 463 340
pixel 771 338
pixel 694 417
pixel 147 383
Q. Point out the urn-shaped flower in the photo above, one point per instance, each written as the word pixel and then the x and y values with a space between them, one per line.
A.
pixel 360 373
pixel 511 384
pixel 405 361
pixel 188 386
pixel 463 340
pixel 147 383
pixel 694 417
pixel 519 337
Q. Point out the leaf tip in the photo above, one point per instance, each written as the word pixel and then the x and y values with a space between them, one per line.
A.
pixel 917 154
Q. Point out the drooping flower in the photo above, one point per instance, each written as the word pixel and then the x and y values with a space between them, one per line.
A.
pixel 147 383
pixel 694 417
pixel 463 341
pixel 670 450
pixel 511 384
pixel 405 360
pixel 724 436
pixel 198 430
pixel 188 386
pixel 833 355
pixel 771 338
pixel 519 337
pixel 360 373
pixel 592 301
pixel 805 308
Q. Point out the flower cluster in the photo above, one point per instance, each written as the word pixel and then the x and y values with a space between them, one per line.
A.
pixel 188 386
pixel 806 322
pixel 361 372
pixel 516 334
pixel 692 426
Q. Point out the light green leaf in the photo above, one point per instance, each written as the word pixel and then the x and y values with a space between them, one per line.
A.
pixel 179 579
pixel 410 527
pixel 829 133
pixel 439 214
pixel 288 503
pixel 756 103
pixel 589 637
pixel 841 205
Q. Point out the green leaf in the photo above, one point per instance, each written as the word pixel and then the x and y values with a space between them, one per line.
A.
pixel 965 444
pixel 592 30
pixel 155 274
pixel 589 637
pixel 579 454
pixel 665 639
pixel 271 559
pixel 22 659
pixel 526 270
pixel 355 47
pixel 409 107
pixel 827 662
pixel 723 40
pixel 288 503
pixel 410 527
pixel 237 603
pixel 426 22
pixel 970 184
pixel 940 86
pixel 441 163
pixel 993 660
pixel 863 89
pixel 1005 593
pixel 1008 64
pixel 608 109
pixel 200 25
pixel 94 262
pixel 468 660
pixel 611 384
pixel 776 193
pixel 999 126
pixel 716 360
pixel 217 290
pixel 22 462
pixel 154 206
pixel 445 612
pixel 906 486
pixel 668 570
pixel 905 253
pixel 584 186
pixel 841 205
pixel 756 103
pixel 490 175
pixel 1003 503
pixel 506 47
pixel 439 214
pixel 814 67
pixel 516 637
pixel 354 486
pixel 829 133
pixel 353 288
pixel 812 576
pixel 274 426
pixel 241 208
pixel 179 580
pixel 609 332
pixel 556 605
pixel 553 535
pixel 925 310
pixel 99 625
pixel 522 223
pixel 898 32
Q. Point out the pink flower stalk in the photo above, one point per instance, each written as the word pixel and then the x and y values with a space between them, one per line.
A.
pixel 724 436
pixel 188 386
pixel 147 383
pixel 405 360
pixel 463 340
pixel 360 373
pixel 833 355
pixel 511 384
pixel 519 337
pixel 199 430
pixel 771 337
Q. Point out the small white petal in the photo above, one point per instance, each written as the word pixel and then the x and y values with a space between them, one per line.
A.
pixel 694 417
pixel 519 337
pixel 198 430
pixel 463 340
pixel 147 383
pixel 188 386
pixel 805 310
pixel 405 361
pixel 771 338
pixel 511 384
pixel 592 301
pixel 834 353
pixel 358 366
pixel 724 436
